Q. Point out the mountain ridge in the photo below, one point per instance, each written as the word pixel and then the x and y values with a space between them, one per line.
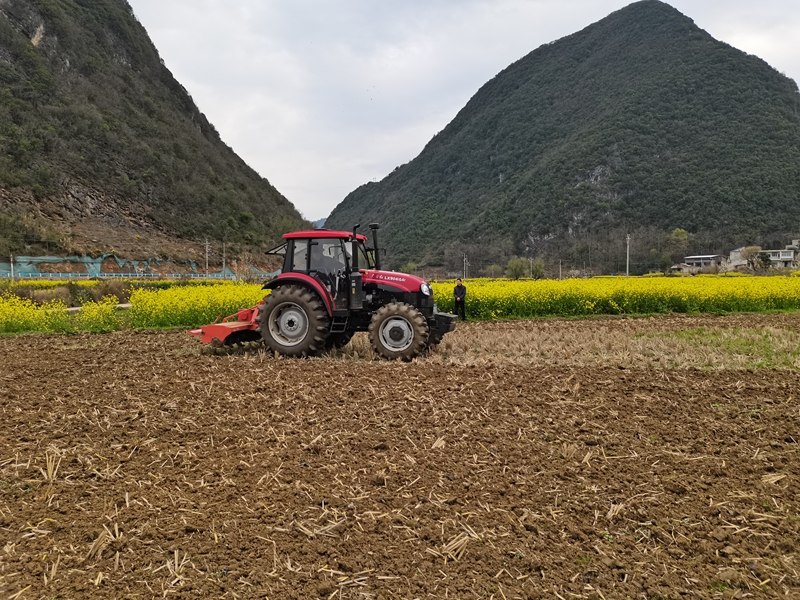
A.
pixel 99 143
pixel 639 122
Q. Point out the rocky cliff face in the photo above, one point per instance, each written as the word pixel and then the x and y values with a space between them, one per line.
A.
pixel 77 203
pixel 97 136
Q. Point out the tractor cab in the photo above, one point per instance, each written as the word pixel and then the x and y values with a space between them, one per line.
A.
pixel 322 250
pixel 334 258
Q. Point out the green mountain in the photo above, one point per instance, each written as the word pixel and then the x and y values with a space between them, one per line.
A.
pixel 641 123
pixel 98 140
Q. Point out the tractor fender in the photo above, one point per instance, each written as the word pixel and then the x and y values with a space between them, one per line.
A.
pixel 305 281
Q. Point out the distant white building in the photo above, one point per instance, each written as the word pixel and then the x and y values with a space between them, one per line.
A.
pixel 735 260
pixel 695 264
pixel 778 258
pixel 781 258
pixel 703 260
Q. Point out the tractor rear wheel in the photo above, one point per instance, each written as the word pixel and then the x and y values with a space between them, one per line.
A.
pixel 293 322
pixel 398 330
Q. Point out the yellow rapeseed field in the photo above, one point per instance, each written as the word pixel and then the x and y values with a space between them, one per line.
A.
pixel 176 306
pixel 505 299
pixel 191 306
pixel 99 317
pixel 489 299
pixel 19 315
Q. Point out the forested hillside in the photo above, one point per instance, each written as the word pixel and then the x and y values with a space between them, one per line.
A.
pixel 97 136
pixel 641 123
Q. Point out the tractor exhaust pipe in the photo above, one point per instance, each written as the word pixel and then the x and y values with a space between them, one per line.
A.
pixel 355 245
pixel 374 228
pixel 356 301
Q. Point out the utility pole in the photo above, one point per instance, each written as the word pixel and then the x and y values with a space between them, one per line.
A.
pixel 628 255
pixel 224 275
pixel 12 266
pixel 530 261
pixel 465 266
pixel 207 248
pixel 559 269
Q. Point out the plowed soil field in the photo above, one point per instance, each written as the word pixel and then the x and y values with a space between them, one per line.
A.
pixel 571 459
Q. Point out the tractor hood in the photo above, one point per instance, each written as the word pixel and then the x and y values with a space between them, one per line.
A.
pixel 400 281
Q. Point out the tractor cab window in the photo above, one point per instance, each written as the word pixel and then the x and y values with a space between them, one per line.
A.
pixel 278 250
pixel 300 258
pixel 327 256
pixel 365 260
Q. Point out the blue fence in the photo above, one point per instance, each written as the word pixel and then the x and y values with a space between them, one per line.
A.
pixel 27 267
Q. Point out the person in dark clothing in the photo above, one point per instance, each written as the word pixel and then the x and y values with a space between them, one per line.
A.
pixel 460 295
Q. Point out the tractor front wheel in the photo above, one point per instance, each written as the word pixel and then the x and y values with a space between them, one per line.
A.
pixel 293 322
pixel 398 330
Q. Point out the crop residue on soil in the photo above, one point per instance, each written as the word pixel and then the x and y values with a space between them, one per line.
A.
pixel 133 466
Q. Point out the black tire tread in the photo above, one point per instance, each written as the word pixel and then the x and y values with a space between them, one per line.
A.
pixel 318 321
pixel 418 324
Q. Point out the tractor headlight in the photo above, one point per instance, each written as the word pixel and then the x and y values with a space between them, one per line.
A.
pixel 426 290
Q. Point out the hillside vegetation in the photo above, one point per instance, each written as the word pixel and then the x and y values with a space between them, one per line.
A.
pixel 96 133
pixel 641 123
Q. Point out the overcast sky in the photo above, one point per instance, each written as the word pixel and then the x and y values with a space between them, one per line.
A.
pixel 321 96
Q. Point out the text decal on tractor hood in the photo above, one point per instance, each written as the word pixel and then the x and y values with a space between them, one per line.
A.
pixel 389 277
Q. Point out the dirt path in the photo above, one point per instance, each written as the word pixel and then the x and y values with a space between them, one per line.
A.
pixel 180 475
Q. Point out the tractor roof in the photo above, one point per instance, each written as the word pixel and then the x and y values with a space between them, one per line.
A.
pixel 323 233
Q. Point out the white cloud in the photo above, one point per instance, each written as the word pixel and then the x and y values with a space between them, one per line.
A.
pixel 321 97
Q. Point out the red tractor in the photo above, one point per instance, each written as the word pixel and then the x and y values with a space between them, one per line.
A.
pixel 332 286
